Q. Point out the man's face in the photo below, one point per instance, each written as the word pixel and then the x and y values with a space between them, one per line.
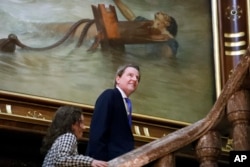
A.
pixel 129 80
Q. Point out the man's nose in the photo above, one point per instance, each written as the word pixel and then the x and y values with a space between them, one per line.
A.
pixel 135 78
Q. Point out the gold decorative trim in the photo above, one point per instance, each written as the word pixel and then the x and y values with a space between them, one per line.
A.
pixel 48 100
pixel 158 119
pixel 234 35
pixel 137 130
pixel 229 146
pixel 146 131
pixel 31 98
pixel 145 138
pixel 248 18
pixel 21 118
pixel 233 12
pixel 35 114
pixel 235 53
pixel 216 42
pixel 8 109
pixel 234 44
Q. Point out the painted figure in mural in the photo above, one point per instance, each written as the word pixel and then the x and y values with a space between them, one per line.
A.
pixel 163 26
pixel 162 31
pixel 110 129
pixel 60 142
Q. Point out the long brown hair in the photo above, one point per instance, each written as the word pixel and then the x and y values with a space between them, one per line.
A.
pixel 62 122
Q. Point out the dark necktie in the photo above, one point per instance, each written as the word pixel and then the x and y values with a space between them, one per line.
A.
pixel 129 104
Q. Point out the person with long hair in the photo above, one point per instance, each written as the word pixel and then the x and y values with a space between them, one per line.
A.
pixel 60 143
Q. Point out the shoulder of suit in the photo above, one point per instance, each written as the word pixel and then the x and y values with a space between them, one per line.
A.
pixel 111 92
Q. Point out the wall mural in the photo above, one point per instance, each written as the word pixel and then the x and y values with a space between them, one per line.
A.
pixel 47 60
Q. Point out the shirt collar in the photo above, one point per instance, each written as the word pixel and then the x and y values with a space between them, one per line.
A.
pixel 122 92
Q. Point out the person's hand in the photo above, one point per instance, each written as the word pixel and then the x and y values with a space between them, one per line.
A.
pixel 97 163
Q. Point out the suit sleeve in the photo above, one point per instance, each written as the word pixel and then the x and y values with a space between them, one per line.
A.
pixel 99 133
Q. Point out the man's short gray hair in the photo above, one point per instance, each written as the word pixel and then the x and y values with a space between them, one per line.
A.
pixel 122 68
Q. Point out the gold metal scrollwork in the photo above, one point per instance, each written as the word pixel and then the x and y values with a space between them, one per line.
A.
pixel 229 146
pixel 234 12
pixel 35 114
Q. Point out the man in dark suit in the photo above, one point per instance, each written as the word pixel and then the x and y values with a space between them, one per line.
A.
pixel 110 129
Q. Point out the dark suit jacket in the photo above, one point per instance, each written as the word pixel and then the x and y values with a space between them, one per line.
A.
pixel 110 134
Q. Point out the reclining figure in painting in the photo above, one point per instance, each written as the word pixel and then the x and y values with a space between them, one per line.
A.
pixel 162 30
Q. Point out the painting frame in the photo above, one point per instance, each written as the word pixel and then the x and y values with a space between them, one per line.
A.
pixel 215 46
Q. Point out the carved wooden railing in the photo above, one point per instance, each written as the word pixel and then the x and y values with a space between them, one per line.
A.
pixel 233 103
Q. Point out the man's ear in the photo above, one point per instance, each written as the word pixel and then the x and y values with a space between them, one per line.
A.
pixel 117 78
